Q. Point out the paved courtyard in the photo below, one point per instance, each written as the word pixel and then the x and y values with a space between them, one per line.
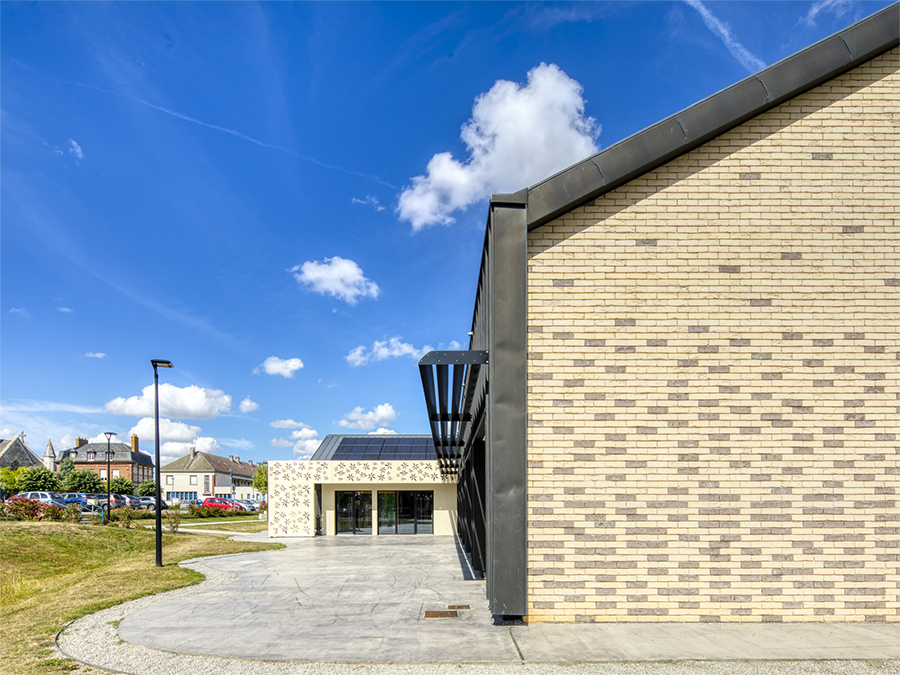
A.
pixel 369 599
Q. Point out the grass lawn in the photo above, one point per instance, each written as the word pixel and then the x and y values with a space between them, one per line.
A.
pixel 52 573
pixel 258 526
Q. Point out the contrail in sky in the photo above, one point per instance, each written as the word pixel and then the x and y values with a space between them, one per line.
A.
pixel 723 32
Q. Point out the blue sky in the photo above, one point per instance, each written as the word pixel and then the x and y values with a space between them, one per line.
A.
pixel 287 200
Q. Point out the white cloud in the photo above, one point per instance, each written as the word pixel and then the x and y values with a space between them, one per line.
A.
pixel 65 310
pixel 305 448
pixel 381 431
pixel 175 438
pixel 95 355
pixel 303 434
pixel 275 366
pixel 7 433
pixel 241 444
pixel 836 7
pixel 723 32
pixel 247 405
pixel 20 311
pixel 169 431
pixel 288 424
pixel 357 419
pixel 338 277
pixel 517 135
pixel 369 201
pixel 280 443
pixel 75 149
pixel 384 349
pixel 192 402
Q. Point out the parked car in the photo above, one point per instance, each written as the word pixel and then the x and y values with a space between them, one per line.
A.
pixel 52 498
pixel 187 503
pixel 247 504
pixel 221 503
pixel 131 501
pixel 149 503
pixel 99 499
pixel 75 498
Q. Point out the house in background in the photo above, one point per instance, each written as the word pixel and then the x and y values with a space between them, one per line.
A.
pixel 126 461
pixel 362 484
pixel 14 454
pixel 680 397
pixel 199 475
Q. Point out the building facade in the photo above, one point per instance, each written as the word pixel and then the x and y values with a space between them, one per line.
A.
pixel 14 454
pixel 360 484
pixel 126 461
pixel 680 399
pixel 199 475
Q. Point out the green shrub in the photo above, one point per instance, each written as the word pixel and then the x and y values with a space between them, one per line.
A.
pixel 173 520
pixel 146 489
pixel 16 508
pixel 83 480
pixel 210 512
pixel 121 486
pixel 36 478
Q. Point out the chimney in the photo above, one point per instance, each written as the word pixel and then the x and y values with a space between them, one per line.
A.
pixel 237 459
pixel 80 441
pixel 135 442
pixel 193 452
pixel 231 457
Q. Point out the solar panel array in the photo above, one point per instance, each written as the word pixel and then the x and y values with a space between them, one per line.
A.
pixel 385 448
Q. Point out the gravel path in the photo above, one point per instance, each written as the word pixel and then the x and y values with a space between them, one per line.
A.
pixel 94 640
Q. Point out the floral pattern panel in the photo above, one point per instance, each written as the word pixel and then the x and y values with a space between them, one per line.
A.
pixel 292 511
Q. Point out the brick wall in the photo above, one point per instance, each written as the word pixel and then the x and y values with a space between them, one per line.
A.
pixel 713 362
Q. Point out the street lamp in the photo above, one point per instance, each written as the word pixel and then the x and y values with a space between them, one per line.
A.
pixel 109 435
pixel 158 363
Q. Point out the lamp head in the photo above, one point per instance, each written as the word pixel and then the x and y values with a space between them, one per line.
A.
pixel 160 363
pixel 109 434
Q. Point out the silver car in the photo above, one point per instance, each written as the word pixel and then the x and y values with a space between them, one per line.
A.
pixel 52 498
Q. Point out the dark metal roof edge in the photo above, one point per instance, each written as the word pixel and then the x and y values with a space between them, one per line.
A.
pixel 682 132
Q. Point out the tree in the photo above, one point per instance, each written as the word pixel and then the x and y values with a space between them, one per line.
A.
pixel 121 486
pixel 261 478
pixel 147 489
pixel 84 480
pixel 9 479
pixel 38 478
pixel 66 466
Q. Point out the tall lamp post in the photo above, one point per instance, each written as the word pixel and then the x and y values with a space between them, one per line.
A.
pixel 109 435
pixel 158 363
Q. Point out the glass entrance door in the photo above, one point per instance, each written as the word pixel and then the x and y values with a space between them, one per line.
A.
pixel 354 512
pixel 406 512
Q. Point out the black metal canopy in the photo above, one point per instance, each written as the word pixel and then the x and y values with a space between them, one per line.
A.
pixel 448 397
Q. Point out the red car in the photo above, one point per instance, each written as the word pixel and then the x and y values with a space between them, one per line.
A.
pixel 218 503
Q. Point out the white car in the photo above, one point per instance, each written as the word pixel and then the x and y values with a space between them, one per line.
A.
pixel 52 498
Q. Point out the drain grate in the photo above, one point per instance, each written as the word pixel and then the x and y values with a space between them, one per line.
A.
pixel 441 614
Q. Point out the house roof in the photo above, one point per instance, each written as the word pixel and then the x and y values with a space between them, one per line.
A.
pixel 204 461
pixel 364 447
pixel 9 446
pixel 121 452
pixel 693 126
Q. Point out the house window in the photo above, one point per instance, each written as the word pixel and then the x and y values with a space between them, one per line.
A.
pixel 102 473
pixel 170 480
pixel 206 485
pixel 91 455
pixel 115 473
pixel 193 480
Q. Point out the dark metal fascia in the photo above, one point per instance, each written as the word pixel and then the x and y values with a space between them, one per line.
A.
pixel 690 128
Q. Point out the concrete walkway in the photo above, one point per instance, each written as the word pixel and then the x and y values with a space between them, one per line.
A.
pixel 367 600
